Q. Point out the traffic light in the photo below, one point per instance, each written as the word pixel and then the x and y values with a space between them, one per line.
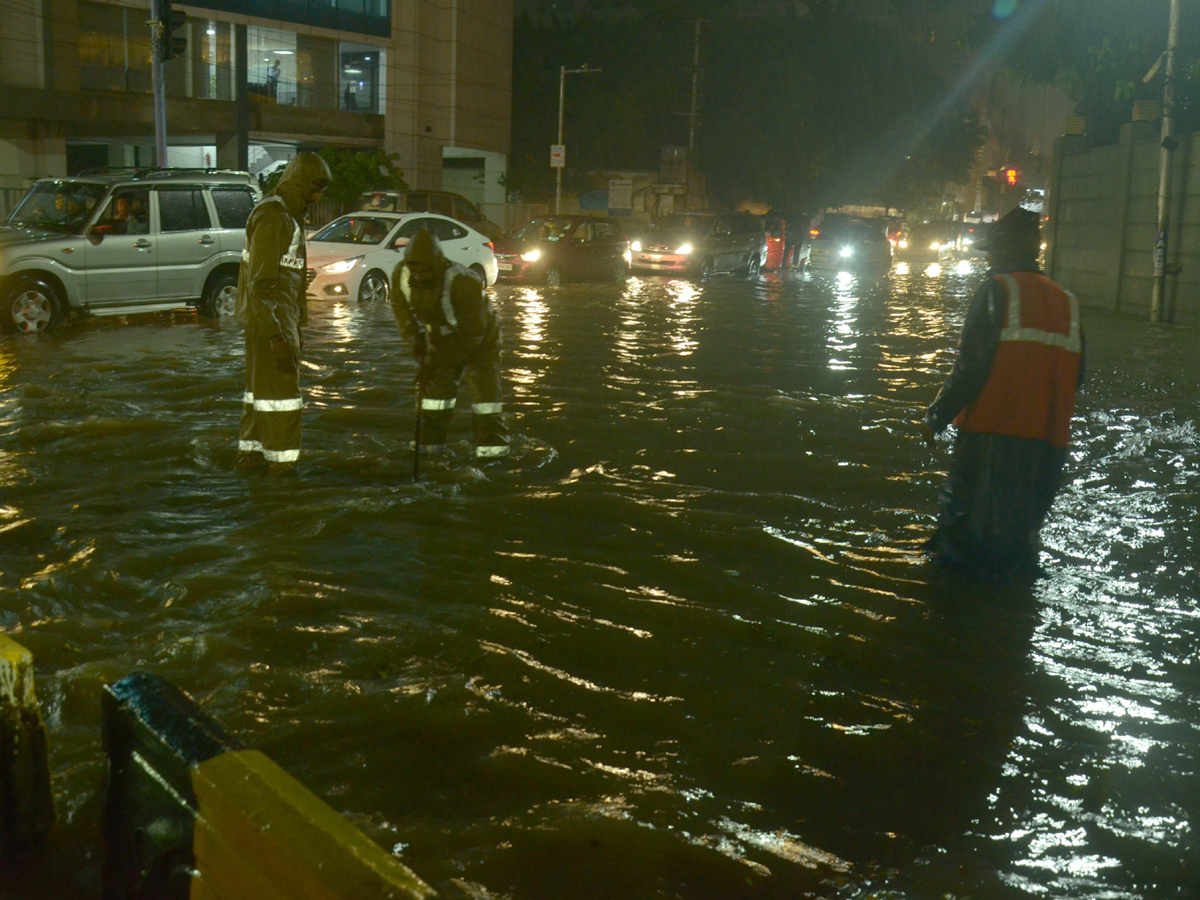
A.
pixel 171 21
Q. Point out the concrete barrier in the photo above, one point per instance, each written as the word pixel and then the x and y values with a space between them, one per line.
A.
pixel 191 814
pixel 26 805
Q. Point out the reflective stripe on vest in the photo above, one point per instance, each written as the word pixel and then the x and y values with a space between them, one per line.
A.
pixel 451 320
pixel 1030 391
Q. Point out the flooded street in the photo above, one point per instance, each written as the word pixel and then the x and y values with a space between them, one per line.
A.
pixel 682 645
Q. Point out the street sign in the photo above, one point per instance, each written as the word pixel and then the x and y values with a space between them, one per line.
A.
pixel 620 193
pixel 558 156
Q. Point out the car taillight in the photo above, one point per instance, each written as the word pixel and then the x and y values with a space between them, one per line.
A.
pixel 491 245
pixel 813 232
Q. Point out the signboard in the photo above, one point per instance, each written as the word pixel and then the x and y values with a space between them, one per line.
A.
pixel 558 156
pixel 620 193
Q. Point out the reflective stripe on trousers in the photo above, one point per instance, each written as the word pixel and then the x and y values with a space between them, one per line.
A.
pixel 271 406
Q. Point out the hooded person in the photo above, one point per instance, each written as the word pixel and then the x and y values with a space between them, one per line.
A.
pixel 271 305
pixel 1011 395
pixel 448 319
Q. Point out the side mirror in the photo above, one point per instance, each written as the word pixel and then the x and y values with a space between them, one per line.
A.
pixel 400 243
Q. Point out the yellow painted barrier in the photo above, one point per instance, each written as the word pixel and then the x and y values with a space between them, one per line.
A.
pixel 191 814
pixel 26 805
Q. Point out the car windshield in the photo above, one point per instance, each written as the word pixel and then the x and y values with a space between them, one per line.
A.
pixel 62 206
pixel 935 232
pixel 545 230
pixel 684 223
pixel 355 230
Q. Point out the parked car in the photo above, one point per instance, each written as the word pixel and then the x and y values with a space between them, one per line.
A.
pixel 124 241
pixel 354 255
pixel 555 249
pixel 443 203
pixel 843 242
pixel 702 244
pixel 776 232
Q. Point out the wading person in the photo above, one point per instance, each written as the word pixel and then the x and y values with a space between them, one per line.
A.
pixel 271 304
pixel 1011 395
pixel 446 316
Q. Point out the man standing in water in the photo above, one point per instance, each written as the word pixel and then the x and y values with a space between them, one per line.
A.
pixel 1011 394
pixel 271 304
pixel 447 317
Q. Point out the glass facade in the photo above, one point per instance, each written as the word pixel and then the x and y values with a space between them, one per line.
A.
pixel 372 17
pixel 283 67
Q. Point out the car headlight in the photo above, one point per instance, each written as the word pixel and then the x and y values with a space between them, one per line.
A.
pixel 966 242
pixel 636 246
pixel 684 249
pixel 903 245
pixel 847 251
pixel 935 246
pixel 532 256
pixel 342 265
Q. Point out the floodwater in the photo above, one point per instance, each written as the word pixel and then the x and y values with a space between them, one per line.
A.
pixel 683 645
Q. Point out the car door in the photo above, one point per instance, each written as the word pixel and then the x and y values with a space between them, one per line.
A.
pixel 725 249
pixel 579 254
pixel 455 240
pixel 610 249
pixel 232 204
pixel 188 240
pixel 121 257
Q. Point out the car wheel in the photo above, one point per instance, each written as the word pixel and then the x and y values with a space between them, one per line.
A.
pixel 753 266
pixel 374 287
pixel 31 306
pixel 220 297
pixel 620 273
pixel 706 269
pixel 479 270
pixel 553 277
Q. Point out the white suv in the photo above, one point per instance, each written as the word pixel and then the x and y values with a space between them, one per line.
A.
pixel 124 241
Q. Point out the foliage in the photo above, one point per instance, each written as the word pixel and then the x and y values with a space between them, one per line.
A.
pixel 1098 52
pixel 354 171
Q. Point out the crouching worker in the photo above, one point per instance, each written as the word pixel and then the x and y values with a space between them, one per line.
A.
pixel 271 305
pixel 447 317
pixel 1011 395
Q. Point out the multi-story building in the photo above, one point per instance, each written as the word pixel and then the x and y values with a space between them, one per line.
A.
pixel 429 80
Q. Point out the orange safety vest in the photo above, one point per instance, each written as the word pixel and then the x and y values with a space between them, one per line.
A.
pixel 1030 392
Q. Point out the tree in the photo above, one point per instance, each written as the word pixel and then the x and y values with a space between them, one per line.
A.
pixel 355 171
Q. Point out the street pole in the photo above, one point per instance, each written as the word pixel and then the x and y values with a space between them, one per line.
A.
pixel 562 94
pixel 1164 168
pixel 160 82
pixel 563 72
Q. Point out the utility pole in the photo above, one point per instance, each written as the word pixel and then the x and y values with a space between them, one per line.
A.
pixel 1164 168
pixel 157 41
pixel 693 114
pixel 558 156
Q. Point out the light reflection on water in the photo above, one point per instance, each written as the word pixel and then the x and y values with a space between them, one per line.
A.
pixel 684 645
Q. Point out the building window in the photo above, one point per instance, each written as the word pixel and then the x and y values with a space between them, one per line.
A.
pixel 114 48
pixel 361 87
pixel 372 17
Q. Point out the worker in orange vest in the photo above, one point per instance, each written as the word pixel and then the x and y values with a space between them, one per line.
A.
pixel 1011 395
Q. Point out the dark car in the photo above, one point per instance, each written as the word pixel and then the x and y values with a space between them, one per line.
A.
pixel 926 242
pixel 555 249
pixel 443 203
pixel 842 242
pixel 702 244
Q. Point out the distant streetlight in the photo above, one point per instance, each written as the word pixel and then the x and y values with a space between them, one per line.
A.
pixel 558 157
pixel 1164 166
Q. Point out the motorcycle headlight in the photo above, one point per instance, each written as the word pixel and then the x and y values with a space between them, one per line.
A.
pixel 903 245
pixel 684 249
pixel 532 256
pixel 847 251
pixel 342 265
pixel 636 246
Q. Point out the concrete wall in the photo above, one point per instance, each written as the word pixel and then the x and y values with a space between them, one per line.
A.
pixel 1103 219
